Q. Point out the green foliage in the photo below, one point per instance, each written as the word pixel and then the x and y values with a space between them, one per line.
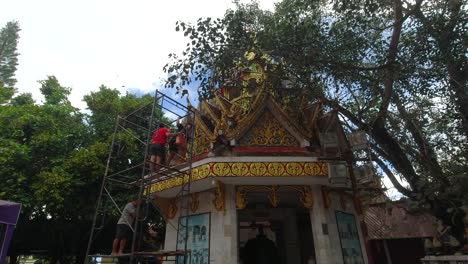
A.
pixel 396 70
pixel 5 93
pixel 52 159
pixel 22 99
pixel 53 92
pixel 9 36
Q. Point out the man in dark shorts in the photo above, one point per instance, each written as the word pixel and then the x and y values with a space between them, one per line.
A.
pixel 158 146
pixel 124 227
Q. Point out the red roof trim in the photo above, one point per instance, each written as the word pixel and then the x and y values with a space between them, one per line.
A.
pixel 268 150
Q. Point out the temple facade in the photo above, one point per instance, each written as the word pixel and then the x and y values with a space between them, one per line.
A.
pixel 265 163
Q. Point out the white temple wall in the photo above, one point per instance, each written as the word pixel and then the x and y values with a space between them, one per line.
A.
pixel 328 246
pixel 223 227
pixel 322 242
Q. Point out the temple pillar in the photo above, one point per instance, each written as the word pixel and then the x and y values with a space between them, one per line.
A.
pixel 224 231
pixel 320 222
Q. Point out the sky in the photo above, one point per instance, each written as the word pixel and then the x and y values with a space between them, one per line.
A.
pixel 87 43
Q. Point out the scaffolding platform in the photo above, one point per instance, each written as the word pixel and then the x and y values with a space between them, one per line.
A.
pixel 137 173
pixel 141 256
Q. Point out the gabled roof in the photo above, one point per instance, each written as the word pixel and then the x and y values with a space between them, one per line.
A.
pixel 267 115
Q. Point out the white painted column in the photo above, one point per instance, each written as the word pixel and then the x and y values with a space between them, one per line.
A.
pixel 223 244
pixel 318 217
pixel 230 226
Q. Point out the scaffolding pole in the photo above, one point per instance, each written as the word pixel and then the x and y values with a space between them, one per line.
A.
pixel 128 177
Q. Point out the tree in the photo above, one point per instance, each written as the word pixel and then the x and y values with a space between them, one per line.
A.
pixel 53 92
pixel 394 69
pixel 9 36
pixel 36 144
pixel 52 158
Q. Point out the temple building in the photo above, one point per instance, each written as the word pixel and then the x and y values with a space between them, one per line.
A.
pixel 265 164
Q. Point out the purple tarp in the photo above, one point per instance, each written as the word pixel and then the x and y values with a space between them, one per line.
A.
pixel 9 213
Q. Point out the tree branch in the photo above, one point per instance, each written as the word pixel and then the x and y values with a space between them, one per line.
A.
pixel 426 152
pixel 391 176
pixel 390 71
pixel 382 137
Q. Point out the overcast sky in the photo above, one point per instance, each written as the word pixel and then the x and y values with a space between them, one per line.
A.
pixel 86 43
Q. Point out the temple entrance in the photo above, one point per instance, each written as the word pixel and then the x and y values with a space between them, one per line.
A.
pixel 287 226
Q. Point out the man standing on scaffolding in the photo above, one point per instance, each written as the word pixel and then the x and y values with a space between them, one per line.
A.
pixel 158 146
pixel 124 227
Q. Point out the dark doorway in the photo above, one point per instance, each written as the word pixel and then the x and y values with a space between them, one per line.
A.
pixel 288 226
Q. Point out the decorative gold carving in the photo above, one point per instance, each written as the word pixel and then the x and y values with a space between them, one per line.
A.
pixel 204 171
pixel 273 197
pixel 246 169
pixel 194 202
pixel 201 141
pixel 305 194
pixel 239 168
pixel 241 202
pixel 275 168
pixel 293 169
pixel 316 168
pixel 258 169
pixel 219 197
pixel 207 108
pixel 172 209
pixel 221 169
pixel 306 197
pixel 268 132
pixel 244 120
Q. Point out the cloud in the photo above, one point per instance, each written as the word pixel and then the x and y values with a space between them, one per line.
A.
pixel 87 43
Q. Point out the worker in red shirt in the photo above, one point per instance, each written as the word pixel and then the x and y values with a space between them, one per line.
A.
pixel 158 146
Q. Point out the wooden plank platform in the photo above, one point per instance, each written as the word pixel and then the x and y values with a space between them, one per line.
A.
pixel 162 253
pixel 108 259
pixel 140 257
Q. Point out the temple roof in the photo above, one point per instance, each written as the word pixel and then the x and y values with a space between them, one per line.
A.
pixel 253 110
pixel 283 137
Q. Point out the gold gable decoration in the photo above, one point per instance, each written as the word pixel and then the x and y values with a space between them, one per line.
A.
pixel 201 142
pixel 268 132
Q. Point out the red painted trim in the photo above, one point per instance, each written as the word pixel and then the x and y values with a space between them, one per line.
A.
pixel 268 150
pixel 200 157
pixel 357 205
pixel 326 199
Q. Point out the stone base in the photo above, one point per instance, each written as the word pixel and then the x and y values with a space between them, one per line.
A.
pixel 462 259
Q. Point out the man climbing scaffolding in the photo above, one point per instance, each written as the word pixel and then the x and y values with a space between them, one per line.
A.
pixel 177 144
pixel 158 146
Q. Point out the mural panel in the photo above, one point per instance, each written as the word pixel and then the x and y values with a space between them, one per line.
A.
pixel 349 238
pixel 198 238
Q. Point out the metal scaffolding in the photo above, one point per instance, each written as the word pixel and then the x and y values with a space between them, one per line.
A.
pixel 137 176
